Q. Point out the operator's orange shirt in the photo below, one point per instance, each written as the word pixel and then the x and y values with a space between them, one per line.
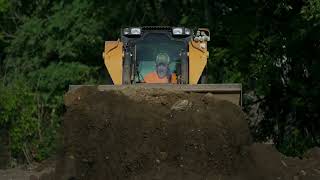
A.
pixel 153 77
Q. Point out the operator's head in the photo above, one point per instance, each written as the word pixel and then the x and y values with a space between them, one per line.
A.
pixel 162 64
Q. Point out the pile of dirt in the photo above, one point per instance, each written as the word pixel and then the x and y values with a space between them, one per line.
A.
pixel 143 134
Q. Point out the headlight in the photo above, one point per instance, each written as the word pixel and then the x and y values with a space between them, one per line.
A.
pixel 187 31
pixel 177 31
pixel 126 31
pixel 135 31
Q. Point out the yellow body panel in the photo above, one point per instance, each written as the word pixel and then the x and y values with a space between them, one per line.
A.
pixel 113 60
pixel 198 57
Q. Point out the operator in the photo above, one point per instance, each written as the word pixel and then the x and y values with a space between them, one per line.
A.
pixel 162 73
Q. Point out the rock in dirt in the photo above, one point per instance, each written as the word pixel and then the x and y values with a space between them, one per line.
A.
pixel 181 105
pixel 207 97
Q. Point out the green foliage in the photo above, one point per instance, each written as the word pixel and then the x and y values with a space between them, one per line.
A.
pixel 66 35
pixel 312 10
pixel 295 143
pixel 275 57
pixel 18 114
pixel 45 57
pixel 31 108
pixel 4 5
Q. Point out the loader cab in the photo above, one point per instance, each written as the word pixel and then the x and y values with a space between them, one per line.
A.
pixel 133 57
pixel 153 46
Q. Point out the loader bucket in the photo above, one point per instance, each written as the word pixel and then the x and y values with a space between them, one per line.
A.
pixel 228 92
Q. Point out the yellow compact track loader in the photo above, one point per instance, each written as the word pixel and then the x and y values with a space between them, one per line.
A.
pixel 172 58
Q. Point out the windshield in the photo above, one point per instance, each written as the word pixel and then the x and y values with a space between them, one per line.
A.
pixel 157 49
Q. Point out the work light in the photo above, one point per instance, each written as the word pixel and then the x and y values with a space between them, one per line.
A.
pixel 126 31
pixel 187 31
pixel 135 31
pixel 177 31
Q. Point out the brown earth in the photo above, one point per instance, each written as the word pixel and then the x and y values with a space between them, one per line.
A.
pixel 36 171
pixel 156 134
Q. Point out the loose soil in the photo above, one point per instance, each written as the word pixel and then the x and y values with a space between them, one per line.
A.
pixel 140 134
pixel 156 134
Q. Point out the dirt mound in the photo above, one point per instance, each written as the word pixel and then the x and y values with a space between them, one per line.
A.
pixel 143 134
